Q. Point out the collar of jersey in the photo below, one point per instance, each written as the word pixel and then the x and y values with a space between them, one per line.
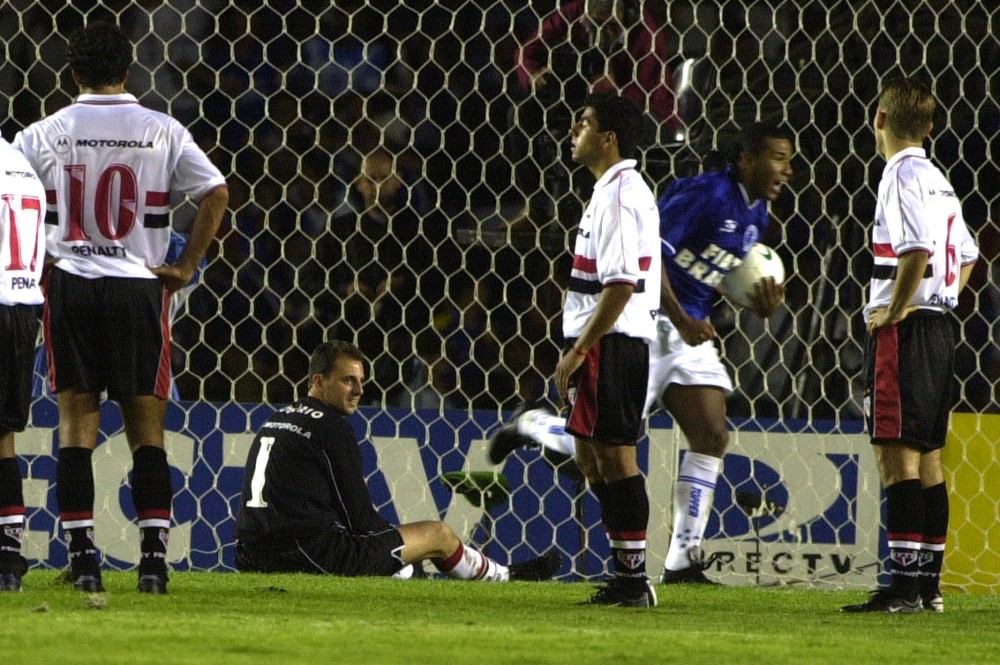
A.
pixel 614 170
pixel 87 98
pixel 905 152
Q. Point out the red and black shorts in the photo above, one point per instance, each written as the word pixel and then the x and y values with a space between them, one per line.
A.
pixel 909 381
pixel 108 333
pixel 18 337
pixel 331 553
pixel 608 392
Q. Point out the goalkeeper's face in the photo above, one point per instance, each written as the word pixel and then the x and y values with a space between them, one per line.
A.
pixel 341 389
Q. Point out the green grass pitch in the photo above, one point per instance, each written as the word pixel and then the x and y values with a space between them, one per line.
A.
pixel 218 619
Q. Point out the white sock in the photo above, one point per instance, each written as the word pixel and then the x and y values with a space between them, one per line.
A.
pixel 468 563
pixel 693 496
pixel 548 430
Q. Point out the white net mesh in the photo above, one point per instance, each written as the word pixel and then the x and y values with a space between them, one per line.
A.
pixel 393 182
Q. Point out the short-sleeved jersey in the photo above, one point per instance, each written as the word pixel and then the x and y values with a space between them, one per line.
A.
pixel 303 477
pixel 707 226
pixel 917 210
pixel 616 242
pixel 22 242
pixel 109 166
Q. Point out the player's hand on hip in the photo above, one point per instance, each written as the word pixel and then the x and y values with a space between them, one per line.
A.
pixel 767 297
pixel 568 364
pixel 173 278
pixel 879 318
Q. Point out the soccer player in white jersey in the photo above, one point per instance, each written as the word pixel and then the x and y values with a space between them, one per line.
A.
pixel 924 255
pixel 608 321
pixel 708 223
pixel 22 257
pixel 108 166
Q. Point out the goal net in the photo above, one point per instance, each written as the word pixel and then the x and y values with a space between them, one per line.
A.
pixel 399 177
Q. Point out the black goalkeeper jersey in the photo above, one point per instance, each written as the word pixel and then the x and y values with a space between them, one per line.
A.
pixel 303 477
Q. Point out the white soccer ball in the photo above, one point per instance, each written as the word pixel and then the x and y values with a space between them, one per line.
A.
pixel 760 262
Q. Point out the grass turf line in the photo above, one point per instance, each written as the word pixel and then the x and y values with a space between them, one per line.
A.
pixel 248 619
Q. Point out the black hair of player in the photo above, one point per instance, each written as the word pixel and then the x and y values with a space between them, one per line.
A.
pixel 619 115
pixel 326 355
pixel 99 54
pixel 753 140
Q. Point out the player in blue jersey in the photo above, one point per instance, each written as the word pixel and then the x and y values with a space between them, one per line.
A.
pixel 707 224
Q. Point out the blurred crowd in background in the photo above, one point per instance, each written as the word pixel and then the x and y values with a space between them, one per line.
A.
pixel 399 174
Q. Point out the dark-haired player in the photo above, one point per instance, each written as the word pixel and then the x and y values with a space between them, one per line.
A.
pixel 609 320
pixel 707 223
pixel 109 166
pixel 305 506
pixel 22 255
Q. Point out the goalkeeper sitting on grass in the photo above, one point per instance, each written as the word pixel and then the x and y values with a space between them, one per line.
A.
pixel 305 506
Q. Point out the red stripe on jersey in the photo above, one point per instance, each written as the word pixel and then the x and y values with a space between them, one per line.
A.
pixel 50 196
pixel 938 540
pixel 583 264
pixel 887 410
pixel 157 198
pixel 162 389
pixel 7 511
pixel 883 251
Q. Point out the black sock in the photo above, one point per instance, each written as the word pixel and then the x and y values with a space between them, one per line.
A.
pixel 626 520
pixel 152 495
pixel 11 511
pixel 935 533
pixel 904 528
pixel 75 495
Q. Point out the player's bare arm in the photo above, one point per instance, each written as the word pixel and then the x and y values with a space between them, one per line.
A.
pixel 203 231
pixel 909 273
pixel 609 307
pixel 693 331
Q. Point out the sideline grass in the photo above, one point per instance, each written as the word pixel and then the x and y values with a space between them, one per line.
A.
pixel 221 619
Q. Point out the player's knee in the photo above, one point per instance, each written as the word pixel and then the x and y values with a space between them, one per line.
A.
pixel 713 441
pixel 442 537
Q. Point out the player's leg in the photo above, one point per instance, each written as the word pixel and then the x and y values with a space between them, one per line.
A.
pixel 152 492
pixel 909 370
pixel 607 420
pixel 531 426
pixel 18 333
pixel 76 361
pixel 12 565
pixel 79 421
pixel 700 412
pixel 436 541
pixel 935 491
pixel 139 380
pixel 935 532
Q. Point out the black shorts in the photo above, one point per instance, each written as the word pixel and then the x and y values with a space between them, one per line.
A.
pixel 18 338
pixel 909 379
pixel 332 553
pixel 608 392
pixel 109 333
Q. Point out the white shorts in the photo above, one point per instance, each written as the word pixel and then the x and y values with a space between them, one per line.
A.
pixel 671 360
